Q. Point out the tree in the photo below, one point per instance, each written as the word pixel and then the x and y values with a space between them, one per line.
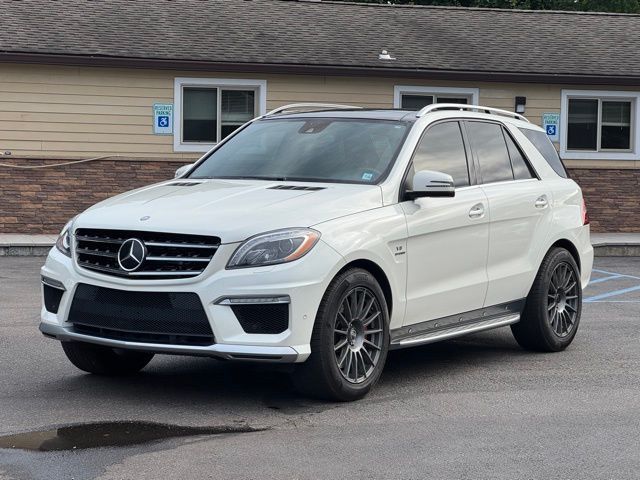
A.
pixel 622 6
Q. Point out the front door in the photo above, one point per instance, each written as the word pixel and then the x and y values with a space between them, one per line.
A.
pixel 447 237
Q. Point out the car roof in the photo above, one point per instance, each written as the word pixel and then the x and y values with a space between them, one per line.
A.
pixel 356 113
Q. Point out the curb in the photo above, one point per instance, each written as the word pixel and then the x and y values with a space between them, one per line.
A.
pixel 616 250
pixel 24 250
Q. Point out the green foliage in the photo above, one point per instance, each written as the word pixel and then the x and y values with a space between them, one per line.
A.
pixel 623 6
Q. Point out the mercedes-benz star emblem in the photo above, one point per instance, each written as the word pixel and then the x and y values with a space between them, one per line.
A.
pixel 131 254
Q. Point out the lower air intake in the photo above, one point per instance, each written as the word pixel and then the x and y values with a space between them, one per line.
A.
pixel 263 318
pixel 153 317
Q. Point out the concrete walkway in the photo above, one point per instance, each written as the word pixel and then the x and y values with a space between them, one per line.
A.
pixel 606 244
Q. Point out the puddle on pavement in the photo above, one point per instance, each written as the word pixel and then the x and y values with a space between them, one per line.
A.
pixel 108 434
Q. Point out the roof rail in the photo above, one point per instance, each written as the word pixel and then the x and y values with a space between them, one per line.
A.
pixel 311 106
pixel 461 106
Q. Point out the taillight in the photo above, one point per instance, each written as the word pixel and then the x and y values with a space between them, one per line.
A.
pixel 584 213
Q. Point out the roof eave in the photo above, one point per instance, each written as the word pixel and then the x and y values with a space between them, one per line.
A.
pixel 309 69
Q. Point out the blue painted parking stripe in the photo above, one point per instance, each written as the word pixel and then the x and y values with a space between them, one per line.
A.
pixel 615 273
pixel 612 294
pixel 604 279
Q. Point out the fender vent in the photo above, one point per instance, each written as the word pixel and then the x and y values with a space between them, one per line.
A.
pixel 296 187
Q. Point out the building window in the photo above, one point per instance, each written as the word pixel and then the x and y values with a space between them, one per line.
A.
pixel 207 110
pixel 415 97
pixel 599 125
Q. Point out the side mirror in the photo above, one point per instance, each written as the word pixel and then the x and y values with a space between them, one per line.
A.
pixel 427 183
pixel 182 170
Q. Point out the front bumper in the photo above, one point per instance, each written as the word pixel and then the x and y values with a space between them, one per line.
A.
pixel 227 352
pixel 303 281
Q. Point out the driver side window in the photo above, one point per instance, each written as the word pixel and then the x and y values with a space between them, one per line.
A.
pixel 441 148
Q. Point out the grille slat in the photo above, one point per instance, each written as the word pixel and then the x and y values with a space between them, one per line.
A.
pixel 169 255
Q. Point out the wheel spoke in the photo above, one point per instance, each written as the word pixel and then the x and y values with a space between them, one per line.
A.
pixel 368 321
pixel 571 287
pixel 343 357
pixel 366 355
pixel 341 344
pixel 367 309
pixel 343 318
pixel 340 332
pixel 573 309
pixel 371 332
pixel 552 306
pixel 371 344
pixel 360 304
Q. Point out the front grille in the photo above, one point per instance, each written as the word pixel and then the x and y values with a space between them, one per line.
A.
pixel 169 255
pixel 155 317
pixel 262 318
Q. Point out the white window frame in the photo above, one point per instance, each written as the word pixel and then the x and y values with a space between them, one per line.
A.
pixel 400 90
pixel 260 87
pixel 632 154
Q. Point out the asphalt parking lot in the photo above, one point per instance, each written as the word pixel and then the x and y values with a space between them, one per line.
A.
pixel 478 407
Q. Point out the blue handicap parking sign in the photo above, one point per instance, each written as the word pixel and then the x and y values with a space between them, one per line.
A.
pixel 163 121
pixel 551 130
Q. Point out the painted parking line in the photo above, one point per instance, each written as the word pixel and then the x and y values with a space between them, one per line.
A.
pixel 615 274
pixel 604 279
pixel 612 294
pixel 600 298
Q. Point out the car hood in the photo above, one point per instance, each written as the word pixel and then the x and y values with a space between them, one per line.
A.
pixel 230 209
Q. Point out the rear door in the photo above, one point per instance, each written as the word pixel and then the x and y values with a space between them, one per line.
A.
pixel 448 237
pixel 519 207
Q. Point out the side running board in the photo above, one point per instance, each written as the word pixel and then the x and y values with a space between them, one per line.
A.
pixel 422 337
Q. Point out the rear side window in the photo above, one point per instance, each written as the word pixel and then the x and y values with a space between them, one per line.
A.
pixel 488 143
pixel 441 148
pixel 546 148
pixel 521 169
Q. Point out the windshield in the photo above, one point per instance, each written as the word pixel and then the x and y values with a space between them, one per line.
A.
pixel 308 149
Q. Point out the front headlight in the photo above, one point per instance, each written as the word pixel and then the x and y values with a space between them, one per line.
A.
pixel 279 246
pixel 63 243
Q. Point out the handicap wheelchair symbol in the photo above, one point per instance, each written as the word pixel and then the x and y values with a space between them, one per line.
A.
pixel 551 130
pixel 163 121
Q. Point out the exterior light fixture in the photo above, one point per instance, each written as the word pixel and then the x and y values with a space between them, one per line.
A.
pixel 384 55
pixel 520 104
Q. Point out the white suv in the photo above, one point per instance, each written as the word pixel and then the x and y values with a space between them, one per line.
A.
pixel 324 236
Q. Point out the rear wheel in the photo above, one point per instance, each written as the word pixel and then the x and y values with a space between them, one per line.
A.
pixel 350 340
pixel 104 360
pixel 552 311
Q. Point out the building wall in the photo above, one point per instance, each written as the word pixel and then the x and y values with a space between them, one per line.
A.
pixel 56 113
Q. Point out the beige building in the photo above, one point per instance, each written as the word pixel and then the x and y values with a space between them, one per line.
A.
pixel 138 89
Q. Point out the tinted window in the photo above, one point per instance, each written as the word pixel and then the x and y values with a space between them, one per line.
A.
pixel 488 143
pixel 520 167
pixel 308 149
pixel 441 149
pixel 582 131
pixel 546 148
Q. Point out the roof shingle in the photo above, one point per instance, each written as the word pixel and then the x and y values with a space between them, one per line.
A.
pixel 331 34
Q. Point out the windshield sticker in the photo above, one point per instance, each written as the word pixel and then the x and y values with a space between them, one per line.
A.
pixel 367 176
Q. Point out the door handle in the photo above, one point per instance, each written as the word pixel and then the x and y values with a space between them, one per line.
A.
pixel 477 211
pixel 541 202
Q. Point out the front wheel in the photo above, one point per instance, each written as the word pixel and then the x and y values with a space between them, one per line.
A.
pixel 104 360
pixel 552 311
pixel 350 339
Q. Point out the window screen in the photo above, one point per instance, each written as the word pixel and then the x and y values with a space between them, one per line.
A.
pixel 441 149
pixel 488 143
pixel 521 169
pixel 546 148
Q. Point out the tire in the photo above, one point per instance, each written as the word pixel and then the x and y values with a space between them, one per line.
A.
pixel 553 307
pixel 104 360
pixel 367 340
